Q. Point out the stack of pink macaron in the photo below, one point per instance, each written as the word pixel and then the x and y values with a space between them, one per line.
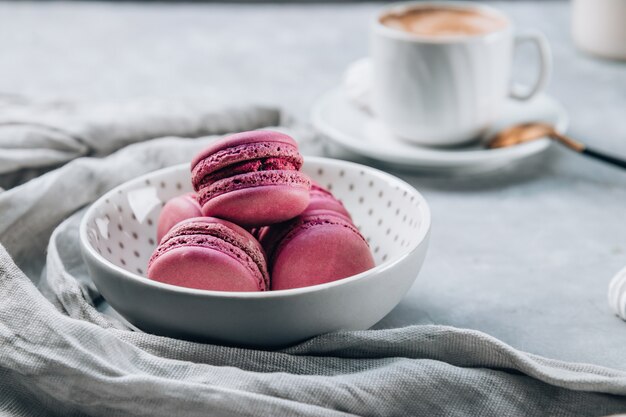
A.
pixel 255 222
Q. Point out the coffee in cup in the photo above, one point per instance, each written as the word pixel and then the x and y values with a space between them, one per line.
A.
pixel 444 21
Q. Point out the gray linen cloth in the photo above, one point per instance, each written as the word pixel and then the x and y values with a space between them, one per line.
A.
pixel 62 353
pixel 37 136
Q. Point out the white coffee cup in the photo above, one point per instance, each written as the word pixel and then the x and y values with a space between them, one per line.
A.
pixel 446 90
pixel 599 27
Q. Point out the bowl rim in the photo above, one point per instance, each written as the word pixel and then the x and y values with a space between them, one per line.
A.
pixel 89 250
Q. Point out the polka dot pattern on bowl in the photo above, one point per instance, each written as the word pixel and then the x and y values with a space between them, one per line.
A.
pixel 385 209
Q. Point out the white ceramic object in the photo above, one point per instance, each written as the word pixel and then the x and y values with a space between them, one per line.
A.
pixel 118 235
pixel 599 27
pixel 357 130
pixel 446 90
pixel 617 294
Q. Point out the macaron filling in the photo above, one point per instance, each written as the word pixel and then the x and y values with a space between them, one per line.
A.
pixel 254 157
pixel 220 238
pixel 251 180
pixel 264 164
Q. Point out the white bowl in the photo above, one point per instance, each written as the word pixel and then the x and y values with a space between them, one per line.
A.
pixel 118 235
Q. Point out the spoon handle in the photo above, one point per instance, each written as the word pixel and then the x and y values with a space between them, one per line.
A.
pixel 619 162
pixel 585 150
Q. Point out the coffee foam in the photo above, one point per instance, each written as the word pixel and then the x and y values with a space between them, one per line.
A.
pixel 444 22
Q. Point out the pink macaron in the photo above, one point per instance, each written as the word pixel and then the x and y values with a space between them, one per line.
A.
pixel 210 254
pixel 176 210
pixel 322 199
pixel 317 247
pixel 319 199
pixel 251 178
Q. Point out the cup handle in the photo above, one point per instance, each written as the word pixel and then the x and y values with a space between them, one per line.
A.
pixel 545 64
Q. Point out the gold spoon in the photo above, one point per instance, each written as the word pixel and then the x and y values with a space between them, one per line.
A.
pixel 527 132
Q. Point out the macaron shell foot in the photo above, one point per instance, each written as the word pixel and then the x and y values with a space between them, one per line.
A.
pixel 250 138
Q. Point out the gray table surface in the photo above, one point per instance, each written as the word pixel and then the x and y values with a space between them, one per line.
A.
pixel 524 254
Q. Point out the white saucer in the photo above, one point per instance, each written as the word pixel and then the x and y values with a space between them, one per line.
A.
pixel 357 130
